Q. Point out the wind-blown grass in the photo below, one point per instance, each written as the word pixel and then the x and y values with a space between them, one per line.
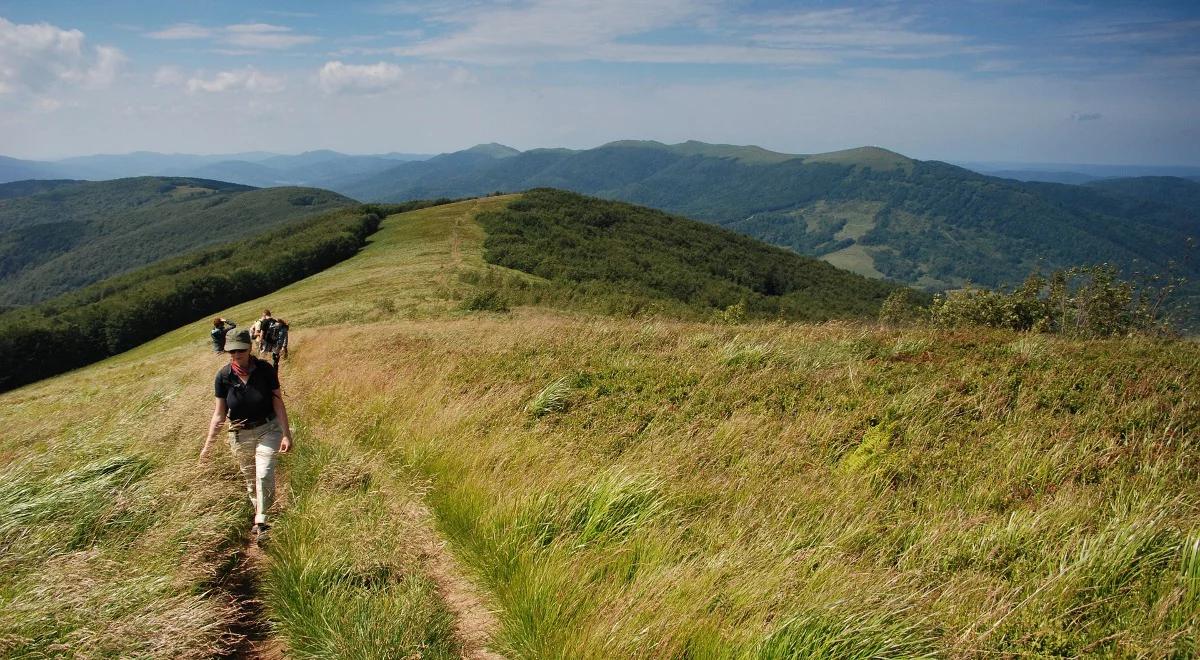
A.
pixel 760 490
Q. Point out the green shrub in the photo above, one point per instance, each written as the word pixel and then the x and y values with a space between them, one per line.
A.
pixel 489 300
pixel 1087 301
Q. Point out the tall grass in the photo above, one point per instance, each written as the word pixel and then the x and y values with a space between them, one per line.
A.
pixel 342 581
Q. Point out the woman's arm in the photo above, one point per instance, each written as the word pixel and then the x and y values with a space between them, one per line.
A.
pixel 285 443
pixel 218 418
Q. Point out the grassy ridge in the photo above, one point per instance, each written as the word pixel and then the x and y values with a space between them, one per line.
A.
pixel 656 488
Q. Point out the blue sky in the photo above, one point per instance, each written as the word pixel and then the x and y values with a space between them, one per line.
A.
pixel 1000 80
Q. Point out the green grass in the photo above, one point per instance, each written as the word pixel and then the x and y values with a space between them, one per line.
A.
pixel 705 490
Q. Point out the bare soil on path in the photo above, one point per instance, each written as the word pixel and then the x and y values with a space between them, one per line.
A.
pixel 474 620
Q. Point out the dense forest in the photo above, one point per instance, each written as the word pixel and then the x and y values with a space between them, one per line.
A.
pixel 613 247
pixel 118 313
pixel 57 236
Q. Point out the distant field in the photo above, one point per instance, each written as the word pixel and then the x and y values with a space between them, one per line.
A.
pixel 616 487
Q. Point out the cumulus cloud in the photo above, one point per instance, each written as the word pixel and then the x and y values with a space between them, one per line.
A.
pixel 248 79
pixel 36 57
pixel 247 37
pixel 337 77
pixel 1085 116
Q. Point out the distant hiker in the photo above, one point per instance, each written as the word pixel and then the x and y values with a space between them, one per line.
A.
pixel 220 327
pixel 262 331
pixel 279 343
pixel 248 394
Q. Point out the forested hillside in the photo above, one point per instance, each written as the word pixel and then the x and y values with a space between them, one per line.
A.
pixel 869 210
pixel 120 312
pixel 58 236
pixel 615 248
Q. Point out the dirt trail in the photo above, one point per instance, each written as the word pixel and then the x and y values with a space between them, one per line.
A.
pixel 474 621
pixel 251 627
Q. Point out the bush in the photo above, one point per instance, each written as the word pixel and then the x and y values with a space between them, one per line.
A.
pixel 1087 301
pixel 486 301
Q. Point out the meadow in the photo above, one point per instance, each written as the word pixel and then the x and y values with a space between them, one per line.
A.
pixel 613 486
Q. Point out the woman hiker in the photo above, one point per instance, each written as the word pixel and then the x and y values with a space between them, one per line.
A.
pixel 247 391
pixel 220 328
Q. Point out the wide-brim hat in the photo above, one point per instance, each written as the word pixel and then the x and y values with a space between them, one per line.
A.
pixel 236 341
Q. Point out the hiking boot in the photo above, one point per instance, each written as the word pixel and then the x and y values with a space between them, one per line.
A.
pixel 261 531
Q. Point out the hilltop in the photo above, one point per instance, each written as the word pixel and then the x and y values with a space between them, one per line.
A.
pixel 613 486
pixel 58 236
pixel 870 210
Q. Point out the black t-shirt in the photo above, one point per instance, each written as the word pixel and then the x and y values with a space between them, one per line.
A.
pixel 250 401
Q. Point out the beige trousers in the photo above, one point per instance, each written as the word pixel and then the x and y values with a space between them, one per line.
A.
pixel 255 451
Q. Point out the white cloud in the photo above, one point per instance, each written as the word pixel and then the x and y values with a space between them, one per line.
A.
pixel 624 31
pixel 563 30
pixel 248 79
pixel 36 57
pixel 182 31
pixel 337 77
pixel 46 104
pixel 244 37
pixel 168 76
pixel 264 36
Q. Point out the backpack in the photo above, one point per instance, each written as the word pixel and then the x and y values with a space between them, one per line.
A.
pixel 267 327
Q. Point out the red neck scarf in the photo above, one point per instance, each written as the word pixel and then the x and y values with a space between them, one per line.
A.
pixel 244 374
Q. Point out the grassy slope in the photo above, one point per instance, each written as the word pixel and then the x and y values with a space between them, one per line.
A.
pixel 643 488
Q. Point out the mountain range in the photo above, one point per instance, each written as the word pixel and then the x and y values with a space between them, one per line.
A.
pixel 57 236
pixel 321 168
pixel 869 210
pixel 878 213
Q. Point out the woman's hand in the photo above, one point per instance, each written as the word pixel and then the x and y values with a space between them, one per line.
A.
pixel 285 443
pixel 204 450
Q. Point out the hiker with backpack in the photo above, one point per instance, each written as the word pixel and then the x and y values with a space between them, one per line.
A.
pixel 281 341
pixel 248 396
pixel 262 331
pixel 220 328
pixel 271 336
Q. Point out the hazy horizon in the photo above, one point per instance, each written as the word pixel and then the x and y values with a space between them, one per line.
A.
pixel 999 81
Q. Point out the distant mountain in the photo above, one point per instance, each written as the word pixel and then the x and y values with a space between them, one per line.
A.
pixel 15 169
pixel 58 236
pixel 870 210
pixel 1036 170
pixel 260 169
pixel 1170 190
pixel 1046 177
pixel 235 171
